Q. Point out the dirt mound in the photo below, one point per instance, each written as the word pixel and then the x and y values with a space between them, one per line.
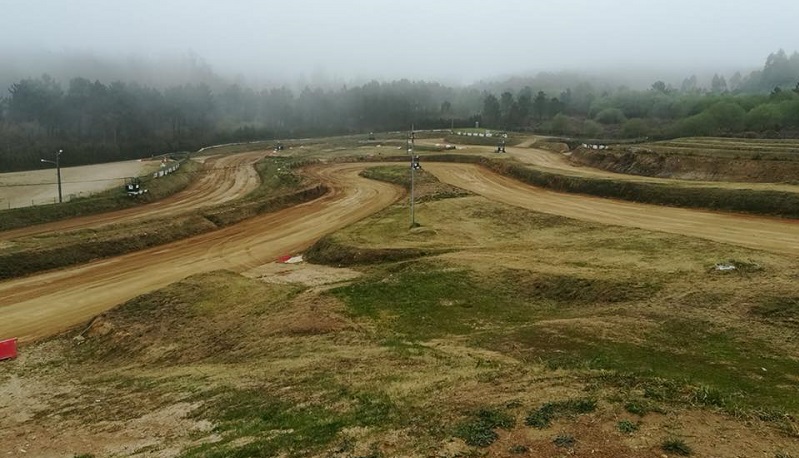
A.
pixel 215 317
pixel 641 161
pixel 557 147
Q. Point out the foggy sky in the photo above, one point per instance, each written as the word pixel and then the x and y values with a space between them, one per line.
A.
pixel 454 41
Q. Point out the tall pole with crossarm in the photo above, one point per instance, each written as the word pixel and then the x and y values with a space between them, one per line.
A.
pixel 57 163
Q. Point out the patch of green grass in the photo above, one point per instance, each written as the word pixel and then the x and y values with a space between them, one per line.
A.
pixel 389 173
pixel 421 303
pixel 479 431
pixel 627 427
pixel 276 173
pixel 676 446
pixel 564 441
pixel 544 415
pixel 274 426
pixel 709 396
pixel 684 353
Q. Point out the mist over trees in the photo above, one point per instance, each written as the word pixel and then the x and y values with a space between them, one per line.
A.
pixel 764 103
pixel 97 121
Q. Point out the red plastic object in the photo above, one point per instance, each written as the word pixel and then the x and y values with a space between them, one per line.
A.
pixel 8 349
pixel 284 258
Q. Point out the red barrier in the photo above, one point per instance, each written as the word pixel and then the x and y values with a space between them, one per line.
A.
pixel 8 349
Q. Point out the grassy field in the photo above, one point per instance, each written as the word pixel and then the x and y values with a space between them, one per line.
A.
pixel 508 332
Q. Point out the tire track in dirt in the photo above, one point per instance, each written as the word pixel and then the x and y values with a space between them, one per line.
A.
pixel 224 178
pixel 45 304
pixel 762 233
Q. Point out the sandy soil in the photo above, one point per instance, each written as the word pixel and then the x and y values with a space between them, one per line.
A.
pixel 224 178
pixel 39 187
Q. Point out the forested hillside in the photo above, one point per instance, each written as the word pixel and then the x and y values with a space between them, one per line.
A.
pixel 96 121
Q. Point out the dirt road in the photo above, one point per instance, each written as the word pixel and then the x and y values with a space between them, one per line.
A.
pixel 44 304
pixel 558 163
pixel 770 234
pixel 224 178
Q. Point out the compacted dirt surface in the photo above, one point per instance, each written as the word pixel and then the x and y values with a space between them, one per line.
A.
pixel 45 304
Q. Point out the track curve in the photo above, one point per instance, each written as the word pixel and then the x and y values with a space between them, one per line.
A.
pixel 224 178
pixel 762 233
pixel 45 304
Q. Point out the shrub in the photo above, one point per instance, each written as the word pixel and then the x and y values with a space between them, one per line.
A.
pixel 676 446
pixel 542 417
pixel 627 427
pixel 564 440
pixel 636 407
pixel 479 431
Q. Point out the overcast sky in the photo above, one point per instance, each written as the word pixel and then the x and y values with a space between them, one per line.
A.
pixel 458 41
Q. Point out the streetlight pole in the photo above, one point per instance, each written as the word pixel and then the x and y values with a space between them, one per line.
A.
pixel 57 163
pixel 413 170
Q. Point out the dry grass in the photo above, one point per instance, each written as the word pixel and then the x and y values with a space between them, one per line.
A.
pixel 522 310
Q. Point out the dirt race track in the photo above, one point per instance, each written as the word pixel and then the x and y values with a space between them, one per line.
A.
pixel 44 304
pixel 226 178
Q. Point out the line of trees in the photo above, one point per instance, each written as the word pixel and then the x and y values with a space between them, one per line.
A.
pixel 96 122
pixel 763 104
